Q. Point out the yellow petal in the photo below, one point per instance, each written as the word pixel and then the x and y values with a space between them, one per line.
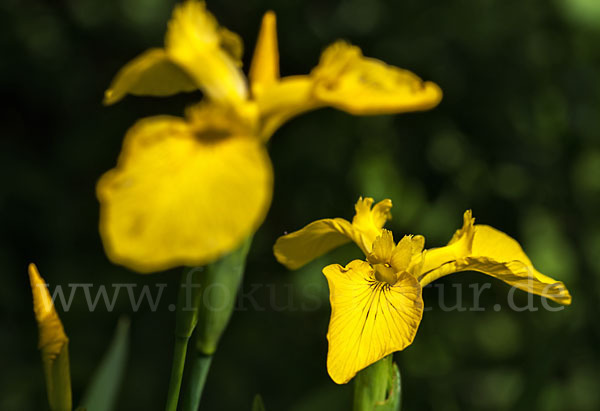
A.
pixel 347 80
pixel 369 319
pixel 483 248
pixel 368 222
pixel 195 42
pixel 232 44
pixel 317 238
pixel 51 332
pixel 382 248
pixel 181 195
pixel 407 248
pixel 53 344
pixel 149 74
pixel 264 70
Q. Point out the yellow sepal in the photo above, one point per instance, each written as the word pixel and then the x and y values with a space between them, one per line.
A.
pixel 483 248
pixel 183 193
pixel 369 319
pixel 347 80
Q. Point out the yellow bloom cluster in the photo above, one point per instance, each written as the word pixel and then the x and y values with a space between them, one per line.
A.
pixel 185 191
pixel 376 304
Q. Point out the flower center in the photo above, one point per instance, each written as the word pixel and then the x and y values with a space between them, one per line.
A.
pixel 385 273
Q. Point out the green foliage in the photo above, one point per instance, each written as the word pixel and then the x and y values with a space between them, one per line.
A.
pixel 103 391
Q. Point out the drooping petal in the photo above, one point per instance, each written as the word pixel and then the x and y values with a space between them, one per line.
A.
pixel 150 74
pixel 483 248
pixel 317 238
pixel 195 42
pixel 181 196
pixel 369 319
pixel 347 80
pixel 264 69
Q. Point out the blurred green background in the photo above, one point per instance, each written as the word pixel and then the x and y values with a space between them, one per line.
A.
pixel 516 139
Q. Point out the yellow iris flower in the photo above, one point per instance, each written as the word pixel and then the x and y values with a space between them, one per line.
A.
pixel 377 305
pixel 187 190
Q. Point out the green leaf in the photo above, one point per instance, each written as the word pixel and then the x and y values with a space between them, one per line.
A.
pixel 258 404
pixel 101 394
pixel 219 283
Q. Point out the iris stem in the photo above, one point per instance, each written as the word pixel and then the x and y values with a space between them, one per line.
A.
pixel 377 387
pixel 185 322
pixel 177 367
pixel 200 365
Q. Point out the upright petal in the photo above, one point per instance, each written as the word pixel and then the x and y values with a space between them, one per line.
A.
pixel 150 74
pixel 383 246
pixel 347 80
pixel 407 249
pixel 369 220
pixel 369 319
pixel 181 195
pixel 483 248
pixel 264 70
pixel 196 43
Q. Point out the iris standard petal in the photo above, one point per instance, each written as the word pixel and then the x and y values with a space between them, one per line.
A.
pixel 369 319
pixel 178 197
pixel 196 43
pixel 382 248
pixel 369 220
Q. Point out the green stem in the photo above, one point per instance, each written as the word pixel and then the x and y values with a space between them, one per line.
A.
pixel 214 301
pixel 185 323
pixel 199 372
pixel 377 387
pixel 177 367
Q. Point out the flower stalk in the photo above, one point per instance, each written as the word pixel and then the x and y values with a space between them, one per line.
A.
pixel 212 292
pixel 377 387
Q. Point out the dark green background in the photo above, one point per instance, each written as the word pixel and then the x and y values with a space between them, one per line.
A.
pixel 516 139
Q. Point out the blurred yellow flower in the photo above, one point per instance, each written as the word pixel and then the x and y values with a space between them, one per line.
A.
pixel 53 344
pixel 186 191
pixel 376 305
